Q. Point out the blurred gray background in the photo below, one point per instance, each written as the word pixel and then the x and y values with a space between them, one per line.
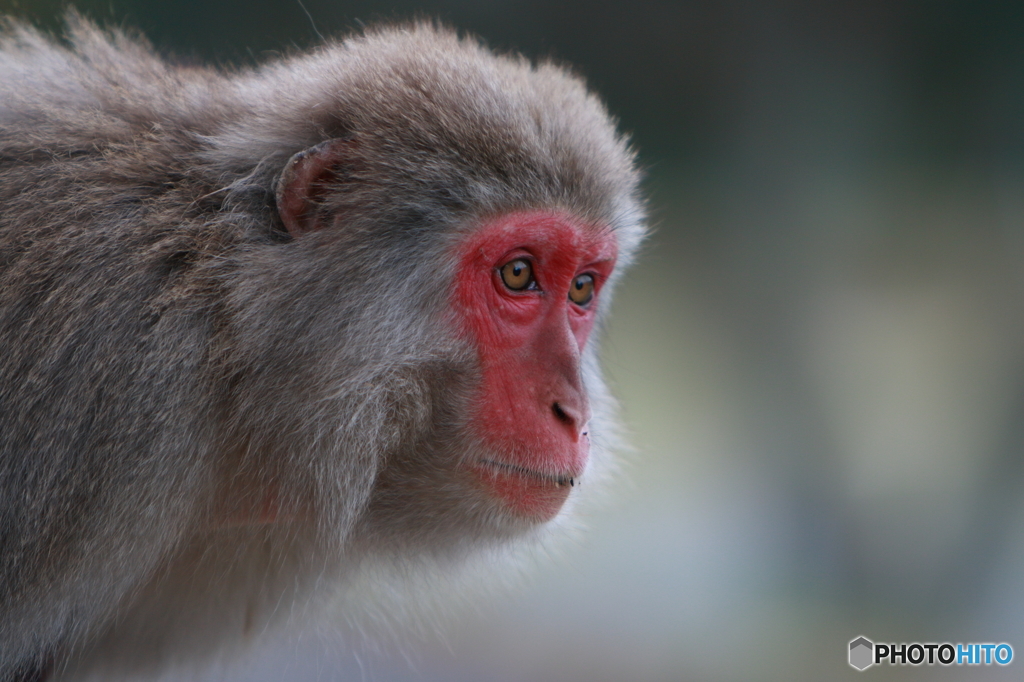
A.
pixel 820 353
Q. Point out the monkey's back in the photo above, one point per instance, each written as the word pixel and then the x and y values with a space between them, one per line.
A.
pixel 106 334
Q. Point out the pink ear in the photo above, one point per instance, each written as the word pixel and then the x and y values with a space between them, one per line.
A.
pixel 305 181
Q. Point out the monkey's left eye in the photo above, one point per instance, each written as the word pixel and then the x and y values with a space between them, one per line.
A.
pixel 582 290
pixel 517 274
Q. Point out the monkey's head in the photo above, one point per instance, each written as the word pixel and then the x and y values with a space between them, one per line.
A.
pixel 480 206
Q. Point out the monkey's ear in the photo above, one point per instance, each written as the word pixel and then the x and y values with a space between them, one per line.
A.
pixel 306 179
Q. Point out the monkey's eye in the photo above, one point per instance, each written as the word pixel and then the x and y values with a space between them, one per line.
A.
pixel 582 289
pixel 517 274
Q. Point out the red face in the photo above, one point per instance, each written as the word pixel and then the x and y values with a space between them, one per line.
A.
pixel 527 288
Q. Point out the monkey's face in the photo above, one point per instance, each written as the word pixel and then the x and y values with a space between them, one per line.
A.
pixel 527 286
pixel 509 433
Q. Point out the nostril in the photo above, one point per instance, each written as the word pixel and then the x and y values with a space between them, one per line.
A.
pixel 562 415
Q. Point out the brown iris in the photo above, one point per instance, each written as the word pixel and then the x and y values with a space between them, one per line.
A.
pixel 517 274
pixel 582 289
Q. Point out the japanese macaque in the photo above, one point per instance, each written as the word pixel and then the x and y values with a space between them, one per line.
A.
pixel 261 326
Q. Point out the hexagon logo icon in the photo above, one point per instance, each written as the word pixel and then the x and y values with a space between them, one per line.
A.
pixel 862 652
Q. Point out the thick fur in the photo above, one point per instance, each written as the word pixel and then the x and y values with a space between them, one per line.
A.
pixel 161 334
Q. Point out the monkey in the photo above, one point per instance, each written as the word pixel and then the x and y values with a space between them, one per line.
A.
pixel 264 326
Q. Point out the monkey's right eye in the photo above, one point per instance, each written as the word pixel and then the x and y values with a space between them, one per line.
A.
pixel 517 274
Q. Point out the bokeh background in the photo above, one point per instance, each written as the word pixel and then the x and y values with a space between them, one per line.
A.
pixel 820 353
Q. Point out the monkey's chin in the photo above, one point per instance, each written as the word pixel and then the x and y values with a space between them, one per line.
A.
pixel 528 494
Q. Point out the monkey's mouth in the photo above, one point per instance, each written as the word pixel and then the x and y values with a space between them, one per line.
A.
pixel 526 492
pixel 559 480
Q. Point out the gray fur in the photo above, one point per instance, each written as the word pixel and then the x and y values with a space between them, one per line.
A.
pixel 161 334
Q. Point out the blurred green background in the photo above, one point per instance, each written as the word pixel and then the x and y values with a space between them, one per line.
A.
pixel 820 353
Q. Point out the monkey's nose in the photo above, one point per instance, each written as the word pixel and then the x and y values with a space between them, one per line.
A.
pixel 571 416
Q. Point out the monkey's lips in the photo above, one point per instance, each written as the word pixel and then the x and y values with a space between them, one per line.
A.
pixel 527 492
